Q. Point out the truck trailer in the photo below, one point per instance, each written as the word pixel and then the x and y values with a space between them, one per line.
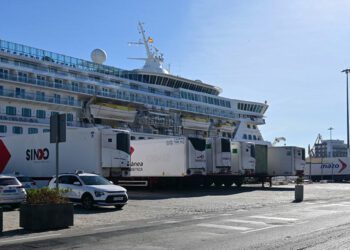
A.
pixel 166 161
pixel 286 161
pixel 101 151
pixel 330 168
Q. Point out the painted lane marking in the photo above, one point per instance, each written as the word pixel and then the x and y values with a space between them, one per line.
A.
pixel 224 227
pixel 107 228
pixel 259 229
pixel 247 221
pixel 336 204
pixel 273 218
pixel 30 237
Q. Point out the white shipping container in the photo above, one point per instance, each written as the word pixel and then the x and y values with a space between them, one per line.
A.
pixel 285 161
pixel 103 151
pixel 171 157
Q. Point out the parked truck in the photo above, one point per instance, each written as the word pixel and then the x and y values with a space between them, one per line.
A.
pixel 166 161
pixel 228 161
pixel 102 151
pixel 330 168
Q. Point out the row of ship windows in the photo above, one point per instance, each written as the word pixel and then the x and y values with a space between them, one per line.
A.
pixel 250 107
pixel 186 95
pixel 38 95
pixel 27 112
pixel 251 137
pixel 23 76
pixel 251 126
pixel 107 92
pixel 17 130
pixel 205 99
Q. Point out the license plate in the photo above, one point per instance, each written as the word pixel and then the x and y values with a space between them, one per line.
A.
pixel 117 198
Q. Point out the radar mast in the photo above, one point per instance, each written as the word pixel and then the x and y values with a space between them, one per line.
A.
pixel 154 60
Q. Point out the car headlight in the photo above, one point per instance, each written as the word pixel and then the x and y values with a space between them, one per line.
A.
pixel 99 193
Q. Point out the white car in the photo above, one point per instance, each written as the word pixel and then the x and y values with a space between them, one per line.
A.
pixel 91 189
pixel 11 191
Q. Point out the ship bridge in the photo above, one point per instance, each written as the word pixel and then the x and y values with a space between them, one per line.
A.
pixel 171 81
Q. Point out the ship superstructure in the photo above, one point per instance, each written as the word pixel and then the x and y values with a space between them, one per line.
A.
pixel 36 83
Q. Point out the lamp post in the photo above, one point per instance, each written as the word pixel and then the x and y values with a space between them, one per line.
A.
pixel 346 71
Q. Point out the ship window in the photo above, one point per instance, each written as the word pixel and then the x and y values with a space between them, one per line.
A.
pixel 26 112
pixel 33 130
pixel 20 92
pixel 53 113
pixel 254 137
pixel 1 90
pixel 57 98
pixel 245 136
pixel 17 130
pixel 249 137
pixel 69 117
pixel 46 130
pixel 40 96
pixel 3 129
pixel 132 138
pixel 40 114
pixel 248 125
pixel 71 100
pixel 254 127
pixel 10 110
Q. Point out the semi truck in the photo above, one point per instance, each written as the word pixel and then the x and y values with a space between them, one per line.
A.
pixel 166 161
pixel 102 151
pixel 330 168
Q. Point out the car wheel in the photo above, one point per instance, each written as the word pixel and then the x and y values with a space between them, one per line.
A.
pixel 119 206
pixel 87 201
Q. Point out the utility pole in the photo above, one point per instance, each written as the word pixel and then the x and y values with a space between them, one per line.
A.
pixel 346 71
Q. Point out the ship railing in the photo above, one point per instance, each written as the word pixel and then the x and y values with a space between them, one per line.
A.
pixel 113 95
pixel 33 119
pixel 33 96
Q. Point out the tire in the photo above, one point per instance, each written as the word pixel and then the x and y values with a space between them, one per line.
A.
pixel 228 183
pixel 217 183
pixel 238 183
pixel 119 207
pixel 87 201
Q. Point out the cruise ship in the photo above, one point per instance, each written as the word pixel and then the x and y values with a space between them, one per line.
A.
pixel 150 102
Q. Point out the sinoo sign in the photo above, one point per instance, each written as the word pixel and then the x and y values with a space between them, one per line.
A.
pixel 37 154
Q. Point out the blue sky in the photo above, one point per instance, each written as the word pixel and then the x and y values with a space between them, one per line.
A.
pixel 289 53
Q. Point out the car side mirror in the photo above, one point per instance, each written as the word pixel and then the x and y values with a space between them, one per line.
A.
pixel 77 183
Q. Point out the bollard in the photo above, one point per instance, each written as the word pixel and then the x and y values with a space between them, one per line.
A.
pixel 299 193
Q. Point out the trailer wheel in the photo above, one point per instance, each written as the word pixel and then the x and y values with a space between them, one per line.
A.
pixel 217 183
pixel 87 201
pixel 238 183
pixel 228 183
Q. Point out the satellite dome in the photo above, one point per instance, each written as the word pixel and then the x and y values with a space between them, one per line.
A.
pixel 98 56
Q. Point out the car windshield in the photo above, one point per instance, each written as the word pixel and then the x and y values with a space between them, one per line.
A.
pixel 9 181
pixel 24 179
pixel 94 180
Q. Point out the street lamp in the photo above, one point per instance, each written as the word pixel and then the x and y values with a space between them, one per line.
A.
pixel 346 71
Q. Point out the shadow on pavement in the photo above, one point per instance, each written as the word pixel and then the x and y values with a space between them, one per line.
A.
pixel 139 194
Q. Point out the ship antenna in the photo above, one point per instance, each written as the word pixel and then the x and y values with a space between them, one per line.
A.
pixel 145 41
